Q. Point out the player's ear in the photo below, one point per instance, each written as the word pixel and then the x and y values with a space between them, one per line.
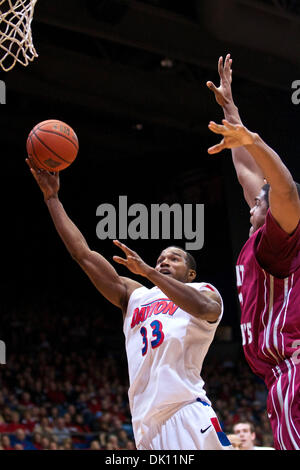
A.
pixel 191 275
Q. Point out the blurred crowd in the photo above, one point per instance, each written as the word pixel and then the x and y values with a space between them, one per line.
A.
pixel 49 401
pixel 238 395
pixel 65 384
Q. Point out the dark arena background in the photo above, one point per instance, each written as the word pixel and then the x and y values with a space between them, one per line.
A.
pixel 130 78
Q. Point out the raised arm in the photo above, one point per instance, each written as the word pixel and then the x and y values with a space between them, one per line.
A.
pixel 204 305
pixel 283 196
pixel 249 174
pixel 113 287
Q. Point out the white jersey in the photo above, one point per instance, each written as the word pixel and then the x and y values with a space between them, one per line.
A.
pixel 165 349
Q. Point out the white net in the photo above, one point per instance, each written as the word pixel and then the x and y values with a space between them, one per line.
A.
pixel 15 33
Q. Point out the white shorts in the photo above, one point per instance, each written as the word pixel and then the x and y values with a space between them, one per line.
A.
pixel 194 427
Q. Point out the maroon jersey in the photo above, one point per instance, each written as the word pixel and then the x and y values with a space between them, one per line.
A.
pixel 268 280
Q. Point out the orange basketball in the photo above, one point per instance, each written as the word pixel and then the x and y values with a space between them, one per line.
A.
pixel 53 145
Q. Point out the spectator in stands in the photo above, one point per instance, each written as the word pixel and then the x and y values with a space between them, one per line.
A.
pixel 18 447
pixel 112 442
pixel 37 440
pixel 53 445
pixel 245 431
pixel 20 438
pixel 45 442
pixel 44 427
pixel 130 445
pixel 122 438
pixel 5 442
pixel 80 424
pixel 95 445
pixel 67 443
pixel 27 420
pixel 25 401
pixel 60 430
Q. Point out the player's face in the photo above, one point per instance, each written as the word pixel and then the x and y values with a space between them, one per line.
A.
pixel 172 262
pixel 245 435
pixel 258 212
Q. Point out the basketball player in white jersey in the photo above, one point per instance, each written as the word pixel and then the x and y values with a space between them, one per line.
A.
pixel 168 331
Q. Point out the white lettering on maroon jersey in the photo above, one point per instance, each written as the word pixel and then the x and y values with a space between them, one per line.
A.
pixel 246 333
pixel 239 280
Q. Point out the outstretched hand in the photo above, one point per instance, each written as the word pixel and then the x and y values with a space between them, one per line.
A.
pixel 133 261
pixel 235 135
pixel 223 93
pixel 47 181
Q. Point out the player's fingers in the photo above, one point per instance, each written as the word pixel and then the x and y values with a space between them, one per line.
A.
pixel 212 87
pixel 216 148
pixel 30 167
pixel 31 163
pixel 123 247
pixel 120 260
pixel 33 172
pixel 120 245
pixel 232 127
pixel 38 171
pixel 133 258
pixel 35 175
pixel 220 66
pixel 227 63
pixel 216 128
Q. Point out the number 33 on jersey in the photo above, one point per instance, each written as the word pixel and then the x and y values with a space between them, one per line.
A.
pixel 157 334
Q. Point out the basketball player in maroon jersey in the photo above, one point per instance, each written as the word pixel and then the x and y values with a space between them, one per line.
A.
pixel 268 274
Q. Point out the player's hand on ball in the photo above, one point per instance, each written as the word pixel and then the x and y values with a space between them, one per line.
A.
pixel 235 135
pixel 48 182
pixel 133 261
